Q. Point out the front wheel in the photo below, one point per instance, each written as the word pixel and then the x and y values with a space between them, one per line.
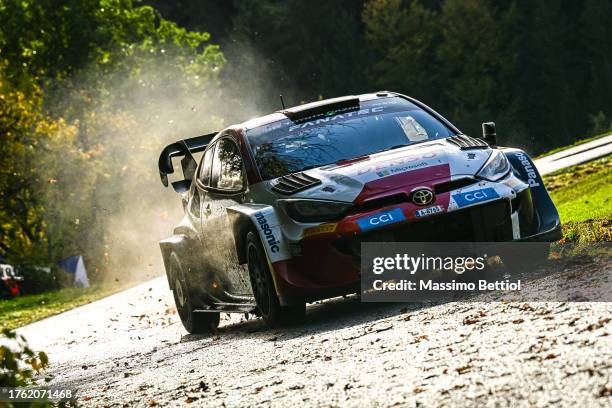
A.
pixel 194 322
pixel 265 294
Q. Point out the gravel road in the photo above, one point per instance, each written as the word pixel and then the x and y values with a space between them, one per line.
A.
pixel 131 350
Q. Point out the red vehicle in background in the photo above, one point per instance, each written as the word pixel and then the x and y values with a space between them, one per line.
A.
pixel 9 286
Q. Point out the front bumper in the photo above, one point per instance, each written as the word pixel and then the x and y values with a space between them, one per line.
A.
pixel 551 235
pixel 328 264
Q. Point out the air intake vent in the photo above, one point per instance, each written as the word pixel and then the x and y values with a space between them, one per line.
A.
pixel 292 183
pixel 465 142
pixel 453 185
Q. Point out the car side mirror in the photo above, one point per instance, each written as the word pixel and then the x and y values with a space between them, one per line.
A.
pixel 489 134
pixel 181 186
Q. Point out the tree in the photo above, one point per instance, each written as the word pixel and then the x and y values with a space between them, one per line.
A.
pixel 106 84
pixel 310 49
pixel 35 151
pixel 403 40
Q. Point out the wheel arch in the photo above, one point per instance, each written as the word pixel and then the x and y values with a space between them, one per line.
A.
pixel 525 169
pixel 242 224
pixel 262 220
pixel 177 244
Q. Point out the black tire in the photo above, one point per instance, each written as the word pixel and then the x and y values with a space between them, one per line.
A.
pixel 265 294
pixel 521 260
pixel 194 323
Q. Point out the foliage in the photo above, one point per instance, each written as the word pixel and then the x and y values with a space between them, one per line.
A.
pixel 17 361
pixel 33 147
pixel 583 192
pixel 89 91
pixel 27 309
pixel 584 232
pixel 583 196
pixel 305 50
pixel 39 280
pixel 540 69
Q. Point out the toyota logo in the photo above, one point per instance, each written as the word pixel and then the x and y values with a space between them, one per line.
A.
pixel 422 196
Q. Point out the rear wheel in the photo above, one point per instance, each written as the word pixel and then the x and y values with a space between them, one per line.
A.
pixel 194 322
pixel 265 294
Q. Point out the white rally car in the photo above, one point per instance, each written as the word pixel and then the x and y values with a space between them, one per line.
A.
pixel 277 207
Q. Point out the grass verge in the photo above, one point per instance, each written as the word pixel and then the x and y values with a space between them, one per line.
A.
pixel 583 196
pixel 27 309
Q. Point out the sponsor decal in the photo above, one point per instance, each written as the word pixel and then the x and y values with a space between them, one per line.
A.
pixel 337 116
pixel 381 219
pixel 397 166
pixel 328 189
pixel 401 169
pixel 424 212
pixel 532 176
pixel 270 239
pixel 471 156
pixel 319 229
pixel 475 196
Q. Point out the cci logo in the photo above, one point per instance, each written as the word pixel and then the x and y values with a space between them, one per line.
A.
pixel 476 196
pixel 381 219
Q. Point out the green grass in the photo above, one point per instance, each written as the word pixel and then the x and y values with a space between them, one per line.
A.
pixel 583 196
pixel 27 309
pixel 576 143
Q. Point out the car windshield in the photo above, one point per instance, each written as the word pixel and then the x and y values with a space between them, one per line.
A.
pixel 285 146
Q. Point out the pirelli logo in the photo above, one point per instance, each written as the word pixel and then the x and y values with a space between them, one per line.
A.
pixel 319 229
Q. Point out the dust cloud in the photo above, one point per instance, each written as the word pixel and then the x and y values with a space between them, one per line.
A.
pixel 131 209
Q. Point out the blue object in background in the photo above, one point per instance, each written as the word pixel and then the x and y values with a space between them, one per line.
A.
pixel 75 266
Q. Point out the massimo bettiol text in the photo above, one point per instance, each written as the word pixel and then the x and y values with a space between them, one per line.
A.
pixel 430 271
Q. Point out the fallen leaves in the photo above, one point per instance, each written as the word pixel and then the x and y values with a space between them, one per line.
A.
pixel 605 391
pixel 464 369
pixel 475 318
pixel 598 325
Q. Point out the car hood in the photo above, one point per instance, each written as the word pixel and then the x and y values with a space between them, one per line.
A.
pixel 395 170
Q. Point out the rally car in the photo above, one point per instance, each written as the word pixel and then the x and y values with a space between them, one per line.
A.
pixel 277 207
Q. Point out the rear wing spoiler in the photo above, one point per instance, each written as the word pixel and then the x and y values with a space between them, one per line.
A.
pixel 185 149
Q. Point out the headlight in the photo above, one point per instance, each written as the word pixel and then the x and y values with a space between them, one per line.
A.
pixel 314 210
pixel 496 167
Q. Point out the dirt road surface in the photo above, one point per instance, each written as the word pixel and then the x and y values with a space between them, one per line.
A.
pixel 131 350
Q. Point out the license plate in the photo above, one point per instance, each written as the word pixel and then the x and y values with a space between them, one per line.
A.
pixel 424 212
